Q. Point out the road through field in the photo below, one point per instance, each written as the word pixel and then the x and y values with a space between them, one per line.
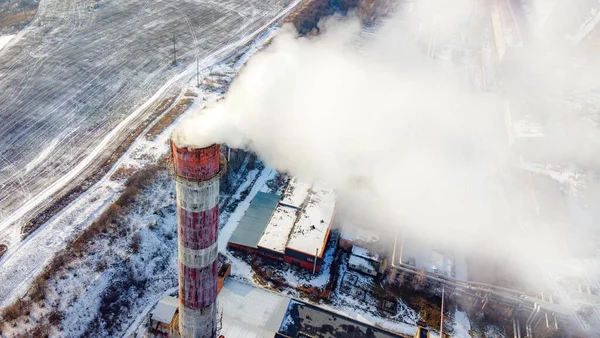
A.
pixel 75 83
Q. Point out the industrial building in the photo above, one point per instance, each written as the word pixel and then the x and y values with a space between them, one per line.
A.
pixel 293 228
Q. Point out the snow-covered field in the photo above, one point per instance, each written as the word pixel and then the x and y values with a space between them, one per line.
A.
pixel 27 259
pixel 83 75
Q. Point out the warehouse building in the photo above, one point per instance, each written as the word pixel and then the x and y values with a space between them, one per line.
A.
pixel 293 228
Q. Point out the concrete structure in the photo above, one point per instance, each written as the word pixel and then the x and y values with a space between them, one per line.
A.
pixel 293 228
pixel 198 172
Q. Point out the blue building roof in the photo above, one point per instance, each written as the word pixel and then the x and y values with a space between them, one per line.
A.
pixel 255 220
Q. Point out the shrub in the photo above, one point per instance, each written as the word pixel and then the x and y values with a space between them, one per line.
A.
pixel 11 312
pixel 55 317
pixel 136 240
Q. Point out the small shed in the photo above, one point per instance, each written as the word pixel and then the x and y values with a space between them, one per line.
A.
pixel 164 317
pixel 362 265
pixel 366 261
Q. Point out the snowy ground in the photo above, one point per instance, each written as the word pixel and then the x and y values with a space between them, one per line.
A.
pixel 24 261
pixel 4 39
pixel 81 76
pixel 462 326
pixel 102 292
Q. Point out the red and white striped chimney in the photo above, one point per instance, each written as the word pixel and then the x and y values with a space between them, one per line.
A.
pixel 198 172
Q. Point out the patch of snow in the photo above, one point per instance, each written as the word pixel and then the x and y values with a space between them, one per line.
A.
pixel 4 39
pixel 462 325
pixel 296 192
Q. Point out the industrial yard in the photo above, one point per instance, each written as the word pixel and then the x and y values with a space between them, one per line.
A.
pixel 128 209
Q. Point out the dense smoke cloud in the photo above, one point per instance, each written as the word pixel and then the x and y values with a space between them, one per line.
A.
pixel 405 141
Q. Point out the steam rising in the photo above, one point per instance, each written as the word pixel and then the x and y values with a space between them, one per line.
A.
pixel 405 141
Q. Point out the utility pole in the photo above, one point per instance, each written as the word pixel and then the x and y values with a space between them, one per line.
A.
pixel 442 318
pixel 315 265
pixel 198 75
pixel 174 51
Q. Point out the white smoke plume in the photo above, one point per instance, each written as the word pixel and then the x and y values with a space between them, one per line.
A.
pixel 404 140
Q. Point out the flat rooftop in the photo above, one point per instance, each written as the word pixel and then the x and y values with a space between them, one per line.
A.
pixel 299 221
pixel 313 223
pixel 250 312
pixel 277 232
pixel 314 321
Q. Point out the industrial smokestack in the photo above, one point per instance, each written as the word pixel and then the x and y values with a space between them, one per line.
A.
pixel 197 172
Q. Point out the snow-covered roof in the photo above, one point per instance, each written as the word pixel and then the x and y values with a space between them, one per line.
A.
pixel 301 221
pixel 312 226
pixel 165 310
pixel 295 193
pixel 278 229
pixel 250 312
pixel 361 262
pixel 364 253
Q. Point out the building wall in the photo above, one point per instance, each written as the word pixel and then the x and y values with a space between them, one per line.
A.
pixel 242 248
pixel 345 244
pixel 303 264
pixel 298 259
pixel 270 253
pixel 363 269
